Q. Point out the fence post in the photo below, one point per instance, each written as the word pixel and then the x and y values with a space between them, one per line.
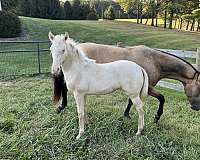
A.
pixel 38 49
pixel 198 59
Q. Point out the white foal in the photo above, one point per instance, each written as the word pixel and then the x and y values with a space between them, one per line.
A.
pixel 85 77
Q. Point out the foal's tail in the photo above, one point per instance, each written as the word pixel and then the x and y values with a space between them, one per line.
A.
pixel 144 90
pixel 58 82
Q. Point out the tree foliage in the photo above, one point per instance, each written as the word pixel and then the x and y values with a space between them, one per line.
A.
pixel 10 25
pixel 109 13
pixel 68 10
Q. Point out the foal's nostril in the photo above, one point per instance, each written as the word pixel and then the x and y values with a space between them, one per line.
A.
pixel 58 70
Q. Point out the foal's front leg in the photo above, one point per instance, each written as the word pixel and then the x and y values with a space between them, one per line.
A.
pixel 80 100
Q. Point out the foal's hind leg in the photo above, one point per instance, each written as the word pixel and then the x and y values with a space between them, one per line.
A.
pixel 139 107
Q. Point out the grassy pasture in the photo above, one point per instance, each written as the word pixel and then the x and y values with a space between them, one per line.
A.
pixel 31 129
pixel 111 32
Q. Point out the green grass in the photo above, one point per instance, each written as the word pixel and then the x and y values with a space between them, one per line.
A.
pixel 31 129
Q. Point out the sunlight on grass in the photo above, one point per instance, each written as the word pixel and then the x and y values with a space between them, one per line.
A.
pixel 160 22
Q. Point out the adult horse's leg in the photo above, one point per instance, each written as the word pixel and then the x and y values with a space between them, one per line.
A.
pixel 64 98
pixel 126 112
pixel 161 99
pixel 153 93
pixel 60 82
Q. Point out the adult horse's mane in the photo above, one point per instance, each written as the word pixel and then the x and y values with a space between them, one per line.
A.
pixel 79 51
pixel 196 71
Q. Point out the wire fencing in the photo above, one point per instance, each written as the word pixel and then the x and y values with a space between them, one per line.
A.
pixel 24 58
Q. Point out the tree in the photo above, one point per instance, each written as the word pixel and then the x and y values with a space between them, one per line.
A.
pixel 196 14
pixel 55 10
pixel 76 7
pixel 187 17
pixel 109 13
pixel 127 4
pixel 23 7
pixel 9 5
pixel 68 10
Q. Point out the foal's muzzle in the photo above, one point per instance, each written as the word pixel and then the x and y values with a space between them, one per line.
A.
pixel 55 70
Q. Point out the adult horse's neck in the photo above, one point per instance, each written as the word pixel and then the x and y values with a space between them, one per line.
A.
pixel 176 68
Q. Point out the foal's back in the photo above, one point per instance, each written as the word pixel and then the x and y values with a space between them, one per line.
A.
pixel 107 77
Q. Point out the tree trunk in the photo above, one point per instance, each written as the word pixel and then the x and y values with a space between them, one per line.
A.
pixel 188 22
pixel 140 17
pixel 181 24
pixel 156 18
pixel 171 19
pixel 138 7
pixel 146 21
pixel 141 7
pixel 198 25
pixel 165 22
pixel 192 26
pixel 175 23
pixel 152 17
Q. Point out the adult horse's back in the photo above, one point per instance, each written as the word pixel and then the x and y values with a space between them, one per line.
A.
pixel 157 64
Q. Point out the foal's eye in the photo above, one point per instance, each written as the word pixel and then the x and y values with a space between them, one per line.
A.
pixel 63 50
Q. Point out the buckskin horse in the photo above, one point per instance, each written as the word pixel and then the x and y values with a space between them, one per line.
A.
pixel 158 65
pixel 84 77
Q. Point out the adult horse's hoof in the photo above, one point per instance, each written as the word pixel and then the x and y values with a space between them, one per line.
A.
pixel 59 109
pixel 127 115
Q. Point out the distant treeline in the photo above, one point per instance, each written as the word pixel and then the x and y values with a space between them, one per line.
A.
pixel 180 11
pixel 73 9
pixel 184 12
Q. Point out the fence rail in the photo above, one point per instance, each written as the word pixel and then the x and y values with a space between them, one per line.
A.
pixel 24 57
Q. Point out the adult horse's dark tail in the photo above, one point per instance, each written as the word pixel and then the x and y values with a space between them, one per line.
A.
pixel 58 83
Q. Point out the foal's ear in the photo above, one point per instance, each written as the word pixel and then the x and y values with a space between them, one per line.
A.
pixel 51 36
pixel 66 35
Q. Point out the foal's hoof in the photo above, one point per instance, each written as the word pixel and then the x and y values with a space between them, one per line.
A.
pixel 156 119
pixel 139 133
pixel 78 137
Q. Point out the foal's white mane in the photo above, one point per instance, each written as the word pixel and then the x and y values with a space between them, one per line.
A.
pixel 78 50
